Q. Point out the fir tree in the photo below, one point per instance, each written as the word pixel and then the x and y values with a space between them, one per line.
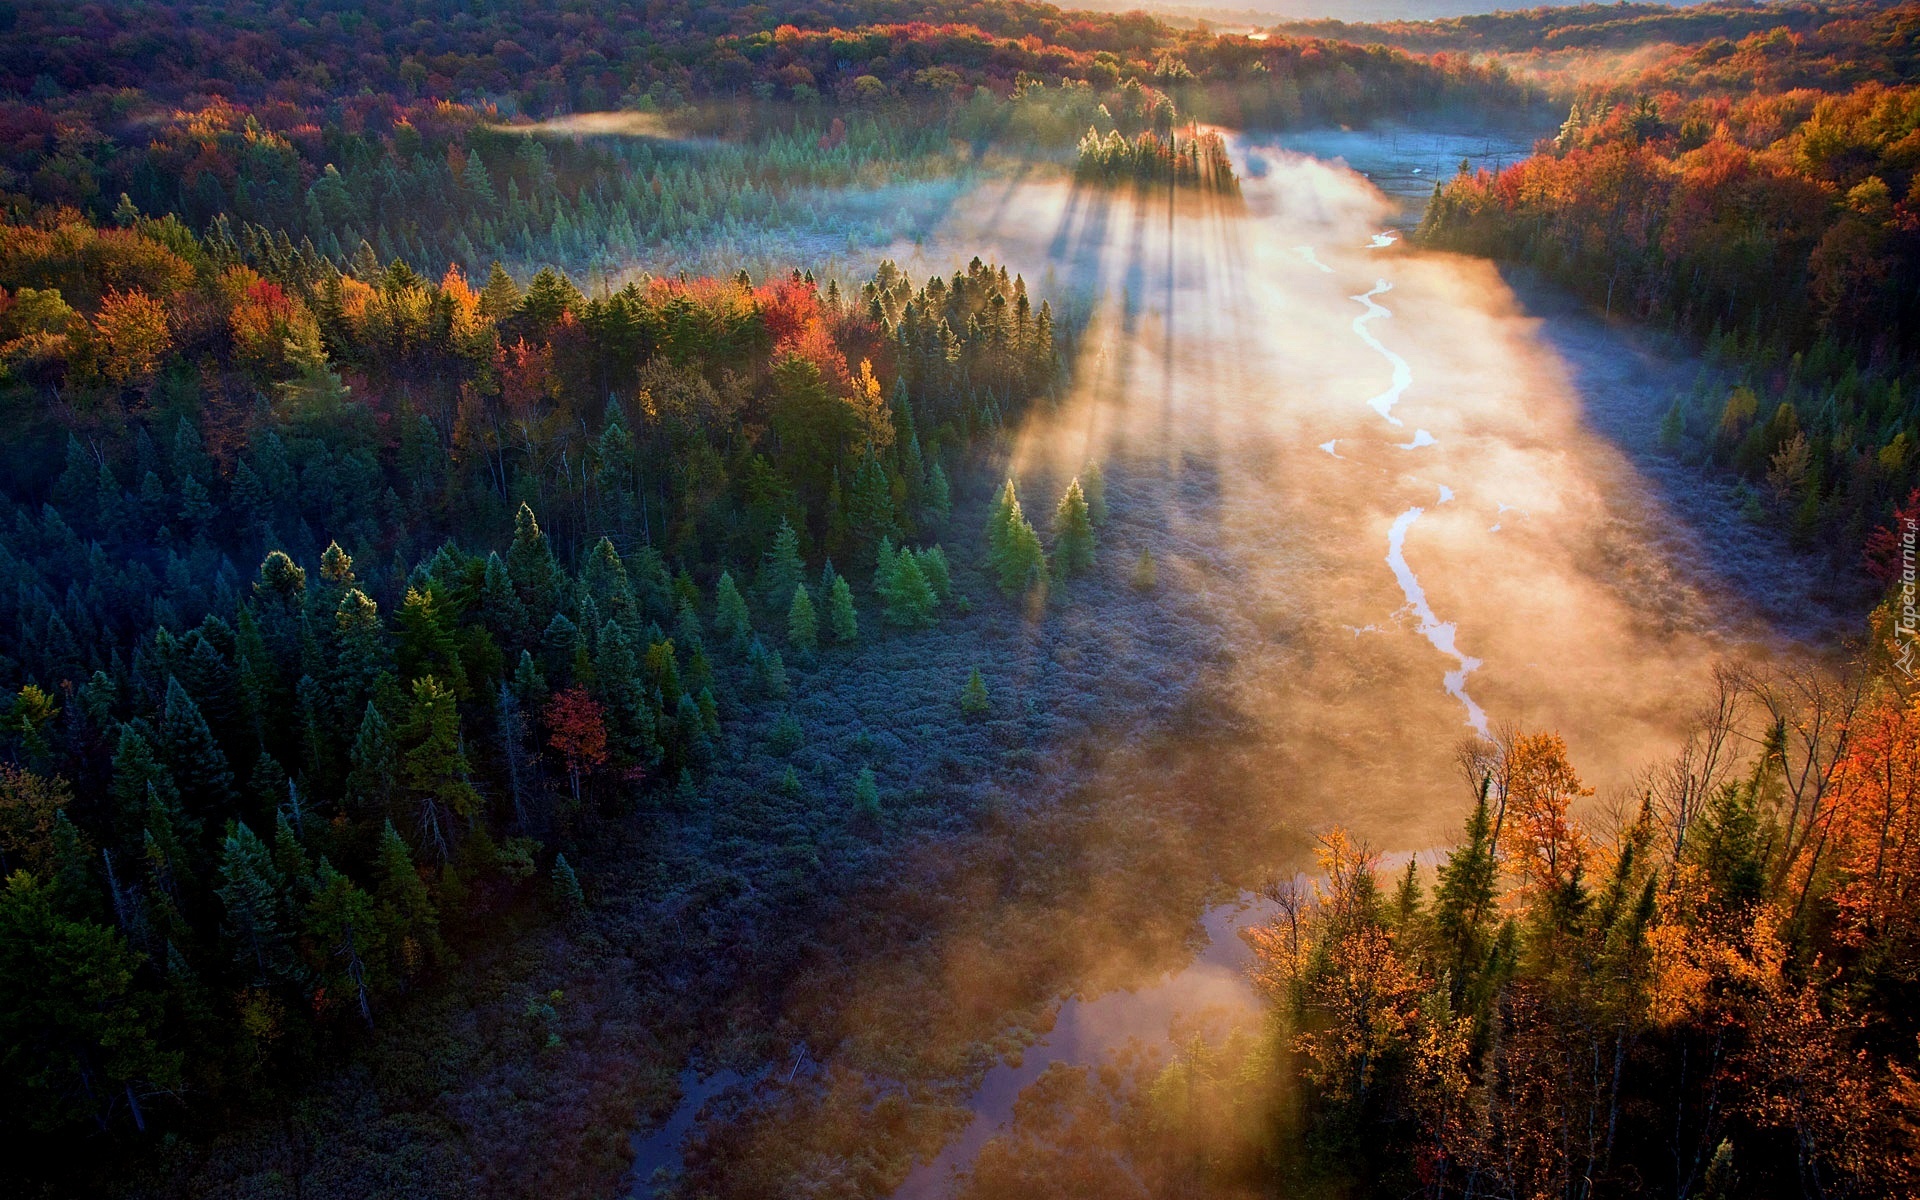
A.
pixel 840 613
pixel 731 623
pixel 803 624
pixel 1072 532
pixel 434 765
pixel 780 568
pixel 1145 576
pixel 866 795
pixel 196 762
pixel 907 596
pixel 1093 482
pixel 534 570
pixel 973 697
pixel 253 895
pixel 1014 550
pixel 406 909
pixel 348 947
pixel 373 763
pixel 566 885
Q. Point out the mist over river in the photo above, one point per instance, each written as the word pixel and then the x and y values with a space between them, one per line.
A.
pixel 1414 504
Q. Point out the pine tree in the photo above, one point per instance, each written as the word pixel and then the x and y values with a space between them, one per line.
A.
pixel 434 765
pixel 803 624
pixel 933 564
pixel 566 885
pixel 407 911
pixel 780 568
pixel 907 596
pixel 196 762
pixel 534 570
pixel 973 697
pixel 361 655
pixel 840 612
pixel 349 949
pixel 253 894
pixel 1015 554
pixel 731 623
pixel 1094 483
pixel 866 795
pixel 1145 576
pixel 1073 533
pixel 373 763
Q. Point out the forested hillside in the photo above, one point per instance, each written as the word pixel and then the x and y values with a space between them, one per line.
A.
pixel 1757 197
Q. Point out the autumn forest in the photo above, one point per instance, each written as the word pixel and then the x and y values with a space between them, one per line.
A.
pixel 754 600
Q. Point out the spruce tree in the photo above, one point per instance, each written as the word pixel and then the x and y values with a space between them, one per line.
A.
pixel 803 624
pixel 1072 532
pixel 933 564
pixel 344 930
pixel 1018 561
pixel 373 763
pixel 405 908
pixel 361 655
pixel 566 885
pixel 866 794
pixel 1145 575
pixel 1094 483
pixel 780 568
pixel 908 598
pixel 534 570
pixel 731 622
pixel 253 894
pixel 434 765
pixel 196 762
pixel 973 697
pixel 840 612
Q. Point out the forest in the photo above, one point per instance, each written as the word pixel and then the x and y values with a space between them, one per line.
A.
pixel 1747 196
pixel 454 550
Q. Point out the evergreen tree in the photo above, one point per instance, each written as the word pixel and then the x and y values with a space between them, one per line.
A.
pixel 973 697
pixel 1014 550
pixel 731 622
pixel 866 795
pixel 138 776
pixel 566 885
pixel 803 624
pixel 1145 575
pixel 348 947
pixel 534 570
pixel 501 296
pixel 1072 532
pixel 80 1037
pixel 781 569
pixel 374 763
pixel 1463 901
pixel 907 596
pixel 361 655
pixel 196 762
pixel 939 502
pixel 501 609
pixel 411 921
pixel 1094 484
pixel 253 895
pixel 840 612
pixel 933 564
pixel 434 765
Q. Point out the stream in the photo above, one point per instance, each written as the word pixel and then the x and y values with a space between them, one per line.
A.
pixel 1517 556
